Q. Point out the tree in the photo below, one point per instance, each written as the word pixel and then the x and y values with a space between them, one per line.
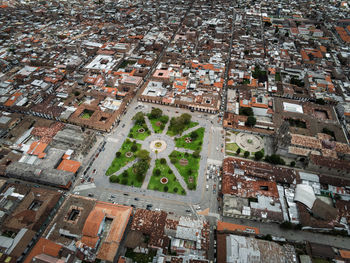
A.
pixel 76 93
pixel 274 159
pixel 186 118
pixel 157 172
pixel 175 190
pixel 140 168
pixel 143 155
pixel 156 113
pixel 194 135
pixel 251 121
pixel 162 161
pixel 139 118
pixel 246 52
pixel 164 119
pixel 320 101
pixel 258 155
pixel 246 154
pixel 238 151
pixel 246 111
pixel 117 154
pixel 292 163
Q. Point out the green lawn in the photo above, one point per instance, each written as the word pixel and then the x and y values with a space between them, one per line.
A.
pixel 86 116
pixel 130 179
pixel 195 144
pixel 232 151
pixel 190 170
pixel 122 160
pixel 173 186
pixel 232 146
pixel 162 120
pixel 192 124
pixel 139 135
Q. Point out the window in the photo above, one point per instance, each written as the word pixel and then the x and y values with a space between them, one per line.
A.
pixel 35 205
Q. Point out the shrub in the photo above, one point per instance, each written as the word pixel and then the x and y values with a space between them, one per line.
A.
pixel 186 154
pixel 117 154
pixel 125 174
pixel 133 148
pixel 166 188
pixel 173 160
pixel 170 171
pixel 238 151
pixel 191 187
pixel 175 190
pixel 124 181
pixel 194 135
pixel 246 154
pixel 131 135
pixel 162 161
pixel 292 163
pixel 196 154
pixel 113 179
pixel 157 172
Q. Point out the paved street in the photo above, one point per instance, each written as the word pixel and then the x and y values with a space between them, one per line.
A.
pixel 293 235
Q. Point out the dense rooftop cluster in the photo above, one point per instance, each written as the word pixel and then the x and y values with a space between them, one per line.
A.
pixel 274 74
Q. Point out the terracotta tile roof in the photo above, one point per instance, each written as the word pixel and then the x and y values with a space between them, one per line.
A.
pixel 12 99
pixel 92 223
pixel 344 253
pixel 37 148
pixel 69 166
pixel 110 244
pixel 46 134
pixel 222 226
pixel 43 246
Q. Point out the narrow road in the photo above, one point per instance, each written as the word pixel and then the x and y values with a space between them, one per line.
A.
pixel 148 174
